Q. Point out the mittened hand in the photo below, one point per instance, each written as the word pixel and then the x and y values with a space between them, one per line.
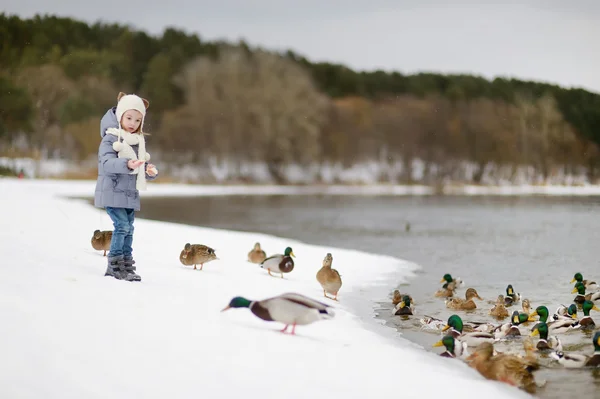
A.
pixel 151 170
pixel 132 164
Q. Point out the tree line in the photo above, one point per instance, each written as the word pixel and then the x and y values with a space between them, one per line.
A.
pixel 221 102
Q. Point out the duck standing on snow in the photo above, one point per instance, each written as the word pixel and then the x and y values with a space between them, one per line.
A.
pixel 329 278
pixel 290 309
pixel 196 254
pixel 576 360
pixel 279 263
pixel 101 240
pixel 257 255
pixel 589 285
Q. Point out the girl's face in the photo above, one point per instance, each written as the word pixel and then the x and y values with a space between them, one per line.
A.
pixel 131 120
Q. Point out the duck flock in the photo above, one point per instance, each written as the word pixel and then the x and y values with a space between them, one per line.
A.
pixel 291 309
pixel 473 341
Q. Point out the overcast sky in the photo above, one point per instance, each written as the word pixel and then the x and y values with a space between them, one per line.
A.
pixel 556 41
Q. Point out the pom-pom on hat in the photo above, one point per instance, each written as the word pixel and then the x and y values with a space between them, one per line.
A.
pixel 131 101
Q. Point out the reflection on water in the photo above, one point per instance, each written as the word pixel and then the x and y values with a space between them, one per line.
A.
pixel 534 243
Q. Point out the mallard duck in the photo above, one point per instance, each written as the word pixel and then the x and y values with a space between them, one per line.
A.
pixel 197 254
pixel 576 360
pixel 499 311
pixel 280 263
pixel 329 278
pixel 257 255
pixel 582 296
pixel 464 304
pixel 454 347
pixel 511 297
pixel 290 309
pixel 449 279
pixel 555 326
pixel 472 339
pixel 503 367
pixel 509 330
pixel 431 323
pixel 404 308
pixel 565 313
pixel 545 343
pixel 397 298
pixel 447 290
pixel 526 305
pixel 589 285
pixel 586 321
pixel 101 240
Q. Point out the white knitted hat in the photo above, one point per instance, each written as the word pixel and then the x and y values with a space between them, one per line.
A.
pixel 131 101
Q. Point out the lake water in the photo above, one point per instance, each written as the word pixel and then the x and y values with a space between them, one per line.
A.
pixel 534 243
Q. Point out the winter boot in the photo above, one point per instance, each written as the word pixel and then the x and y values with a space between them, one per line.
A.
pixel 130 274
pixel 115 267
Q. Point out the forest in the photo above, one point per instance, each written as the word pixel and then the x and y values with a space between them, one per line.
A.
pixel 231 112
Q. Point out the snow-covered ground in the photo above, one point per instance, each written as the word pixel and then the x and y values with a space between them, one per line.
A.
pixel 68 332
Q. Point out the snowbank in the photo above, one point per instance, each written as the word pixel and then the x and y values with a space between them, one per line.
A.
pixel 69 332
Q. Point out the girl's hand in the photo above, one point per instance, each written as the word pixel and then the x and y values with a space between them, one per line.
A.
pixel 151 170
pixel 132 164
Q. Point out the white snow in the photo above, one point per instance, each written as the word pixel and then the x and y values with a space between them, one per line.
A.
pixel 69 332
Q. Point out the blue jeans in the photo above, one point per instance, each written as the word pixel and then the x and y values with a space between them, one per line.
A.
pixel 122 238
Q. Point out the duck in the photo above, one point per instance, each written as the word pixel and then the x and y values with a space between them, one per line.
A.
pixel 404 308
pixel 511 297
pixel 472 339
pixel 509 330
pixel 447 290
pixel 546 344
pixel 329 278
pixel 577 360
pixel 510 369
pixel 257 255
pixel 397 298
pixel 101 240
pixel 454 347
pixel 196 254
pixel 586 322
pixel 581 296
pixel 291 309
pixel 431 323
pixel 589 285
pixel 565 313
pixel 555 326
pixel 499 311
pixel 447 278
pixel 464 304
pixel 280 263
pixel 526 305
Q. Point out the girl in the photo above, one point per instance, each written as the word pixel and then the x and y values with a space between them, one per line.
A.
pixel 122 173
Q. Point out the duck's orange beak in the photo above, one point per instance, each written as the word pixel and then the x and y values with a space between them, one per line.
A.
pixel 226 308
pixel 439 343
pixel 445 327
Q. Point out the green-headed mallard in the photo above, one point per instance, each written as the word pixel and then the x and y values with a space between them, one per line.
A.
pixel 565 313
pixel 464 304
pixel 101 240
pixel 404 308
pixel 555 326
pixel 581 296
pixel 329 278
pixel 290 309
pixel 545 343
pixel 280 263
pixel 499 311
pixel 586 321
pixel 472 339
pixel 510 330
pixel 511 297
pixel 397 298
pixel 196 254
pixel 256 255
pixel 510 369
pixel 454 347
pixel 589 285
pixel 449 279
pixel 576 360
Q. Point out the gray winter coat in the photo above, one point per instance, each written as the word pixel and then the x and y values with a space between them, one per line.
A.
pixel 115 187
